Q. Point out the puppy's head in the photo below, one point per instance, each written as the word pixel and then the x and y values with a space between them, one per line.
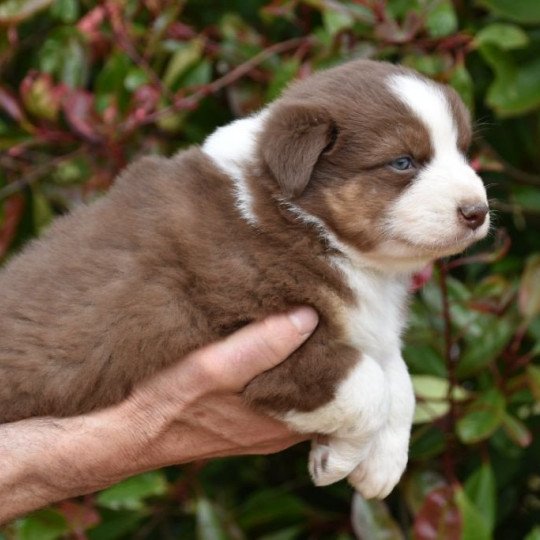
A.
pixel 377 153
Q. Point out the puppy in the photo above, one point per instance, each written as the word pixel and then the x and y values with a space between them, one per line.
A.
pixel 332 196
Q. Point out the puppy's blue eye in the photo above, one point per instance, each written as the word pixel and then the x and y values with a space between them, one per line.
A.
pixel 402 163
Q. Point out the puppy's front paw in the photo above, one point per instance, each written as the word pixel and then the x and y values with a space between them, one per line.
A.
pixel 333 458
pixel 380 471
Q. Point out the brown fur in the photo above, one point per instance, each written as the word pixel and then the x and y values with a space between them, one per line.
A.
pixel 163 264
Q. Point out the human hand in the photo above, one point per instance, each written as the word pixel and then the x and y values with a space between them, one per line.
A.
pixel 192 410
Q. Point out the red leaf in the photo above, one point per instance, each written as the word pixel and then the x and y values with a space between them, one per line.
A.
pixel 41 96
pixel 419 279
pixel 439 517
pixel 180 31
pixel 9 103
pixel 13 210
pixel 79 516
pixel 78 107
pixel 91 22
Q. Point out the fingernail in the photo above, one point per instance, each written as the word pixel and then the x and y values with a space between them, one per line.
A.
pixel 305 319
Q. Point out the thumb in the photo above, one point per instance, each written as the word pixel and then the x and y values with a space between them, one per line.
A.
pixel 230 364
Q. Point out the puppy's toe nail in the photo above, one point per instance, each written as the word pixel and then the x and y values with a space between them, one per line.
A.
pixel 324 461
pixel 318 463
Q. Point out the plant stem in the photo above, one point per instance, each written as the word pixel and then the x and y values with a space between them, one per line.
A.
pixel 449 454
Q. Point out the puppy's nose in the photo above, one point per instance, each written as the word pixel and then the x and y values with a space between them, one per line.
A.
pixel 473 215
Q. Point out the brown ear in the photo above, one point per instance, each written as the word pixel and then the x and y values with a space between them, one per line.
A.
pixel 294 137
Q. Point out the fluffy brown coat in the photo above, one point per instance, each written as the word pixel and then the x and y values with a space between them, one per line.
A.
pixel 163 264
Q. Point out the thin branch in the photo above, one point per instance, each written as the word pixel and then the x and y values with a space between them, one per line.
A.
pixel 34 175
pixel 124 41
pixel 503 241
pixel 189 102
pixel 452 376
pixel 522 177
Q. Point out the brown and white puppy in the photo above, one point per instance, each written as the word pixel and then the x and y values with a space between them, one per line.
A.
pixel 332 196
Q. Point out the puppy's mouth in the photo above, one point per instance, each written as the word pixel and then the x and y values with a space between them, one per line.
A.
pixel 444 247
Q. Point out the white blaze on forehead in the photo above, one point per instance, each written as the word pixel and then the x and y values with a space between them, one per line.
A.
pixel 426 214
pixel 429 103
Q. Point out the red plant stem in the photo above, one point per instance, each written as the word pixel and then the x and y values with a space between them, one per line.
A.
pixel 189 102
pixel 448 459
pixel 35 174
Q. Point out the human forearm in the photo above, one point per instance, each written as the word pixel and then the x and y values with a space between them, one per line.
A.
pixel 32 473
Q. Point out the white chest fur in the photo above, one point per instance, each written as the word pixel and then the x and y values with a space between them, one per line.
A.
pixel 374 325
pixel 368 421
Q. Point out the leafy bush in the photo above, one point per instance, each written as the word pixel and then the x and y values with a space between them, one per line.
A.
pixel 87 88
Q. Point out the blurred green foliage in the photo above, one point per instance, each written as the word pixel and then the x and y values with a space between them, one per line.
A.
pixel 87 87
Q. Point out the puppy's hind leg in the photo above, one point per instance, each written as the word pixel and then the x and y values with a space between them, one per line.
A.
pixel 349 422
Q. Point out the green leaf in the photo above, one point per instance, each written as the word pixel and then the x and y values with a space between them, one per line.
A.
pixel 428 64
pixel 505 36
pixel 424 359
pixel 185 57
pixel 335 21
pixel 40 97
pixel 482 418
pixel 289 533
pixel 281 77
pixel 434 388
pixel 199 74
pixel 64 54
pixel 116 525
pixel 66 10
pixel 371 520
pixel 462 82
pixel 172 122
pixel 534 534
pixel 42 525
pixel 267 505
pixel 131 493
pixel 441 19
pixel 400 8
pixel 478 353
pixel 73 171
pixel 522 11
pixel 111 81
pixel 209 523
pixel 427 442
pixel 533 378
pixel 135 77
pixel 474 526
pixel 481 489
pixel 517 431
pixel 527 197
pixel 529 290
pixel 516 88
pixel 432 394
pixel 15 11
pixel 42 212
